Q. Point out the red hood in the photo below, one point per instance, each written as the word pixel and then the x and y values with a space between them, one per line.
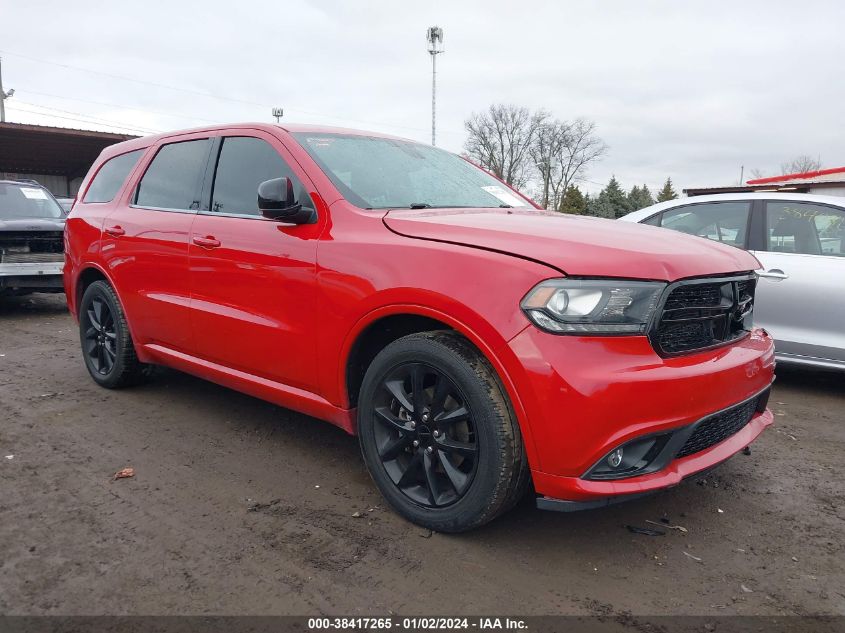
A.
pixel 576 245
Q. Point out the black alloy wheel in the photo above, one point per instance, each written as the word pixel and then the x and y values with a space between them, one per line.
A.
pixel 425 435
pixel 107 346
pixel 100 336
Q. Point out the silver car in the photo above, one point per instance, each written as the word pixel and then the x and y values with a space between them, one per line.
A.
pixel 800 242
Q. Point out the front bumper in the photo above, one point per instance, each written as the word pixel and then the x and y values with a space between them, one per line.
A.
pixel 585 396
pixel 46 275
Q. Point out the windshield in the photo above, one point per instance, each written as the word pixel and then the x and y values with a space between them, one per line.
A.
pixel 383 173
pixel 27 201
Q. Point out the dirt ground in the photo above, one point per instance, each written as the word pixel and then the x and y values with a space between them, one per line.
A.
pixel 240 507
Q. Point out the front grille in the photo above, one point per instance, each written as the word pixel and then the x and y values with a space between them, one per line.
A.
pixel 720 426
pixel 700 314
pixel 31 247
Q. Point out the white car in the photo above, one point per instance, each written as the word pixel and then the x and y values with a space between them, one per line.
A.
pixel 800 242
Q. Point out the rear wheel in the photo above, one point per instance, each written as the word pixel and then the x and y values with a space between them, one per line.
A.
pixel 106 343
pixel 437 434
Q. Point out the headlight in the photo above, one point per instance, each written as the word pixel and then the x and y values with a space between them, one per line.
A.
pixel 593 306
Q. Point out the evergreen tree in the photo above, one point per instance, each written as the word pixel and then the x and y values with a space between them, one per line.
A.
pixel 667 193
pixel 639 198
pixel 615 199
pixel 573 201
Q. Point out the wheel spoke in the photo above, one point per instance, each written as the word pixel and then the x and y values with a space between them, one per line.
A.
pixel 101 359
pixel 449 445
pixel 98 311
pixel 417 391
pixel 441 392
pixel 410 476
pixel 394 447
pixel 455 415
pixel 91 333
pixel 108 359
pixel 93 320
pixel 385 416
pixel 397 390
pixel 431 477
pixel 457 478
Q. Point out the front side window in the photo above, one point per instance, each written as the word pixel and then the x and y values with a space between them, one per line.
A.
pixel 27 201
pixel 243 164
pixel 111 177
pixel 725 222
pixel 174 177
pixel 805 228
pixel 382 173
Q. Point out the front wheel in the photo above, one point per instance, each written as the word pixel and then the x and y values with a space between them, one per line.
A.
pixel 437 433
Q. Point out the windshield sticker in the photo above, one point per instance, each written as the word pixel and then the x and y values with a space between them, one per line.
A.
pixel 504 196
pixel 34 194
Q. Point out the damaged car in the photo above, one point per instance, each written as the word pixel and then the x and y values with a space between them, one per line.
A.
pixel 31 239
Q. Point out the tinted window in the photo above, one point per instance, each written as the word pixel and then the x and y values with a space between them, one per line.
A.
pixel 243 164
pixel 111 176
pixel 27 201
pixel 653 220
pixel 800 227
pixel 380 173
pixel 173 179
pixel 725 222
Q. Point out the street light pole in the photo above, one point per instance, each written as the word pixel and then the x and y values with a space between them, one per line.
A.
pixel 434 37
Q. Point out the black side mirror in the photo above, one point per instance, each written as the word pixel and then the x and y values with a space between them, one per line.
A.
pixel 277 201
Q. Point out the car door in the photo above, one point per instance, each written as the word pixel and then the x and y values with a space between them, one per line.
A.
pixel 253 279
pixel 145 242
pixel 800 297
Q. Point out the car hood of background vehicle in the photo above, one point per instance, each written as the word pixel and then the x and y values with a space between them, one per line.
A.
pixel 576 245
pixel 32 224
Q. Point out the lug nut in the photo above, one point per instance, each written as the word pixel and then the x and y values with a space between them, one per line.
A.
pixel 425 417
pixel 413 425
pixel 416 443
pixel 436 433
pixel 429 450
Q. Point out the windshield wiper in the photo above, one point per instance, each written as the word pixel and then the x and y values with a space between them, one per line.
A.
pixel 419 205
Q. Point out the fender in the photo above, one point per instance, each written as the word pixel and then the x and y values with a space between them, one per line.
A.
pixel 498 357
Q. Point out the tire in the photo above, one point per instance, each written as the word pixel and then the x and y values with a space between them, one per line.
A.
pixel 468 465
pixel 107 347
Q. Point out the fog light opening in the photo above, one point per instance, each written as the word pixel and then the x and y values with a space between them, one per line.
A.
pixel 615 458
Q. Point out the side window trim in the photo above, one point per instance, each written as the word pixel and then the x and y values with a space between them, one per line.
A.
pixel 133 199
pixel 126 179
pixel 210 175
pixel 765 221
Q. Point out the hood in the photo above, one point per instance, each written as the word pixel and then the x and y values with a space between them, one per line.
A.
pixel 576 245
pixel 32 224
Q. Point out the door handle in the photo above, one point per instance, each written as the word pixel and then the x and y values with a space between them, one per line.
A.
pixel 115 231
pixel 774 273
pixel 209 241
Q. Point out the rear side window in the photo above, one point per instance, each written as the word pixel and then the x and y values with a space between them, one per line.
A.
pixel 244 163
pixel 725 222
pixel 174 177
pixel 111 177
pixel 805 228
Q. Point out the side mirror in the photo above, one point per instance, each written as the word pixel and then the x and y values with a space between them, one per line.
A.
pixel 276 201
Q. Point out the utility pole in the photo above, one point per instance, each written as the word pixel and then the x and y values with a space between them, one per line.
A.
pixel 3 95
pixel 278 113
pixel 434 37
pixel 741 174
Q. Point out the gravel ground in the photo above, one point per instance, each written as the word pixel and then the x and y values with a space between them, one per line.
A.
pixel 241 507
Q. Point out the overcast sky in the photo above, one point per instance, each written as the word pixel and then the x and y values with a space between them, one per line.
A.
pixel 688 90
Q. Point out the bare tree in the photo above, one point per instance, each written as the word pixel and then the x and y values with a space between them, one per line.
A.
pixel 500 140
pixel 800 165
pixel 545 151
pixel 756 173
pixel 579 148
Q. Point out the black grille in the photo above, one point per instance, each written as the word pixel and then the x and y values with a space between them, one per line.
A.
pixel 720 426
pixel 700 314
pixel 31 246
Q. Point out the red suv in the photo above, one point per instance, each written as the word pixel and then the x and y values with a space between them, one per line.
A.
pixel 475 343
